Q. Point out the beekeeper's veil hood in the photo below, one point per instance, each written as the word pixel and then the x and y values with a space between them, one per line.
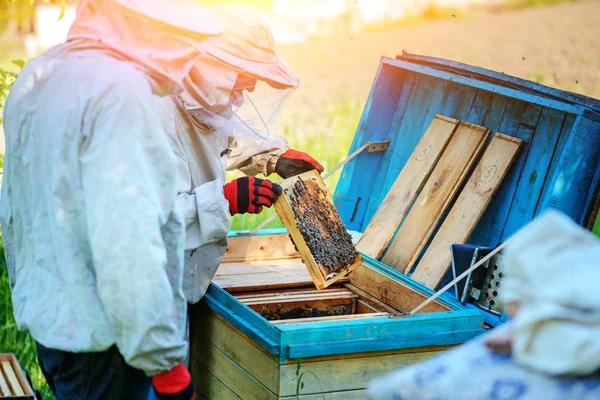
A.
pixel 240 79
pixel 164 37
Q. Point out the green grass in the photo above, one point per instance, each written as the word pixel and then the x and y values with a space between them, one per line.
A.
pixel 11 339
pixel 14 341
pixel 326 136
pixel 534 3
pixel 540 76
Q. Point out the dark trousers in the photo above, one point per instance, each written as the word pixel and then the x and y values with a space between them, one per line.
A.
pixel 91 376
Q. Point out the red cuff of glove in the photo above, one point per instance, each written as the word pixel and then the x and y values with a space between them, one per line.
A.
pixel 174 384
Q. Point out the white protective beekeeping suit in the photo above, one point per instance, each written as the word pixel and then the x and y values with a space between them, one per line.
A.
pixel 208 139
pixel 89 220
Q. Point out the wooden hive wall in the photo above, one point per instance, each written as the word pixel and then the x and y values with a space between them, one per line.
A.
pixel 226 364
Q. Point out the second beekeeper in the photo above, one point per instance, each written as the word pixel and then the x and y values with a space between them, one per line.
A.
pixel 223 121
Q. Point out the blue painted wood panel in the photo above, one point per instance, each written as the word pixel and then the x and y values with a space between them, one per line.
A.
pixel 495 117
pixel 565 133
pixel 558 166
pixel 243 318
pixel 590 212
pixel 452 96
pixel 530 185
pixel 518 120
pixel 406 105
pixel 572 183
pixel 509 91
pixel 502 79
pixel 377 334
pixel 424 104
pixel 374 126
pixel 396 157
pixel 594 187
pixel 465 102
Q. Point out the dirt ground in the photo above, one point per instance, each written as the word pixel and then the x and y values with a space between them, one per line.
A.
pixel 556 45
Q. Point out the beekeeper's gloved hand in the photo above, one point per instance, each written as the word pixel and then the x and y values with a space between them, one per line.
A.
pixel 175 384
pixel 294 162
pixel 250 194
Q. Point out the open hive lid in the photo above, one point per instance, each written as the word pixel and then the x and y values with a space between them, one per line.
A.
pixel 557 166
pixel 560 130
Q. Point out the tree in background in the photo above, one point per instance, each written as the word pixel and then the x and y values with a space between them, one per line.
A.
pixel 17 16
pixel 16 20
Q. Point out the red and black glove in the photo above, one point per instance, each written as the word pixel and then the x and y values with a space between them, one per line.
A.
pixel 294 162
pixel 175 384
pixel 250 194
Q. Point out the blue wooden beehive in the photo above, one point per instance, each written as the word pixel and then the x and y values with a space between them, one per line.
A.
pixel 557 168
pixel 237 353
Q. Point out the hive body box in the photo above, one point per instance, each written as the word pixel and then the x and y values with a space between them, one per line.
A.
pixel 237 353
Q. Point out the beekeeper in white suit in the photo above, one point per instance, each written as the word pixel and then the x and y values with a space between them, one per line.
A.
pixel 224 120
pixel 94 240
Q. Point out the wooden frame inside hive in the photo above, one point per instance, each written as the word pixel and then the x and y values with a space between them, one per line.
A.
pixel 306 208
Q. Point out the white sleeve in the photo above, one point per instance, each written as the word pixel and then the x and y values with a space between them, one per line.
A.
pixel 255 156
pixel 205 209
pixel 206 213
